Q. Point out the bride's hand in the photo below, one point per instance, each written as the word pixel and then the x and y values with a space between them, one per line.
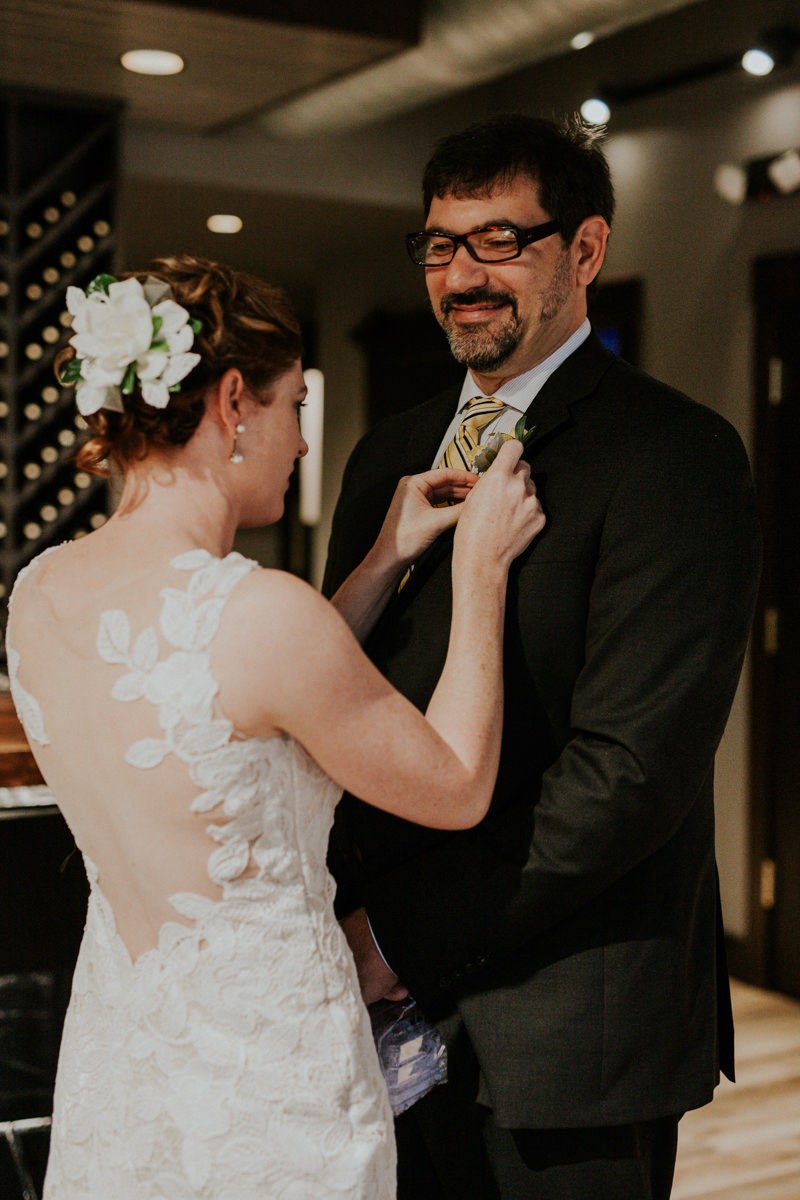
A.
pixel 414 520
pixel 503 515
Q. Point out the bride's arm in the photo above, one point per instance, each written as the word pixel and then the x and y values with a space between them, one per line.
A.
pixel 288 662
pixel 412 523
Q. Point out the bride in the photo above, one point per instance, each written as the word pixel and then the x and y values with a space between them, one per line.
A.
pixel 197 717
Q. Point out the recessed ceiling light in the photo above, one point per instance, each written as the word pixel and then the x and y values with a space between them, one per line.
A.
pixel 757 62
pixel 152 62
pixel 224 223
pixel 582 40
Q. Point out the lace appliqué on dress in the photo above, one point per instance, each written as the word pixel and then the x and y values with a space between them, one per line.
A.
pixel 26 705
pixel 28 710
pixel 234 1060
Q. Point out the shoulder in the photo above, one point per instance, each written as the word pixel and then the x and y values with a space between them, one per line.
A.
pixel 266 595
pixel 638 408
pixel 276 639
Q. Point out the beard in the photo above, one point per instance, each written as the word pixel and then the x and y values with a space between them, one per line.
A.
pixel 476 346
pixel 484 348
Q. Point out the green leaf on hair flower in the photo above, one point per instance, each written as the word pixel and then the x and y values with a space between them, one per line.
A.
pixel 129 380
pixel 196 325
pixel 160 346
pixel 70 372
pixel 157 323
pixel 101 283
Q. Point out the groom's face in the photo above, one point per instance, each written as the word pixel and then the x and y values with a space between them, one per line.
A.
pixel 503 318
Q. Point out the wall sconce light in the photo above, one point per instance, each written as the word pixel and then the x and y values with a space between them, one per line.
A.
pixel 760 178
pixel 784 172
pixel 730 183
pixel 312 419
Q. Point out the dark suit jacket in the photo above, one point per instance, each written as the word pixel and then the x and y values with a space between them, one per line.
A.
pixel 575 930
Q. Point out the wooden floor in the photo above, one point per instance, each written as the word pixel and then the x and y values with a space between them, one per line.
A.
pixel 746 1144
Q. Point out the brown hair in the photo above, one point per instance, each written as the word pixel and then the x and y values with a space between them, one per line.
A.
pixel 246 323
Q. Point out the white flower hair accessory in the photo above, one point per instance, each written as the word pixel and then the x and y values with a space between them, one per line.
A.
pixel 127 334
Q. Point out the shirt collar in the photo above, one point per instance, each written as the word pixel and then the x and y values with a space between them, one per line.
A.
pixel 520 391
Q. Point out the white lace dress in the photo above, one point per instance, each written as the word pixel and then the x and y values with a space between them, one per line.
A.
pixel 233 1060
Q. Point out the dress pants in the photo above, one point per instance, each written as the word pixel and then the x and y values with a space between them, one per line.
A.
pixel 447 1153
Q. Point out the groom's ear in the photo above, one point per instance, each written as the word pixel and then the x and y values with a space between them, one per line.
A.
pixel 225 403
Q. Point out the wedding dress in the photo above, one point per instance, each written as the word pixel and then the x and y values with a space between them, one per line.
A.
pixel 231 1059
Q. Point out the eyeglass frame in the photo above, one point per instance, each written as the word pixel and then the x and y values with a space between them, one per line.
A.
pixel 525 237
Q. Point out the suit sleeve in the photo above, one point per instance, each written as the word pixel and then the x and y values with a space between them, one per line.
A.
pixel 668 620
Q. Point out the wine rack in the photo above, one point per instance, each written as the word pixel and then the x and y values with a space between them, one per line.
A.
pixel 58 184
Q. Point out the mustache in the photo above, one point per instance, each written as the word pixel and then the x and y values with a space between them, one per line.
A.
pixel 477 296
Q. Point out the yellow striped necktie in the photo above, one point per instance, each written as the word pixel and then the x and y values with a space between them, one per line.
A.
pixel 461 450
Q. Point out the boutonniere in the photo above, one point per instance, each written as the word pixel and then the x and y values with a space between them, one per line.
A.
pixel 488 451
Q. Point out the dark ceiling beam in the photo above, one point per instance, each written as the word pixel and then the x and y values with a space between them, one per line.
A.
pixel 781 43
pixel 399 22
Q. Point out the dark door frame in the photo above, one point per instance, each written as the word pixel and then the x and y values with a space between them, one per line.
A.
pixel 775 286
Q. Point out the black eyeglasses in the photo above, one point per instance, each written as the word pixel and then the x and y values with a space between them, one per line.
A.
pixel 493 244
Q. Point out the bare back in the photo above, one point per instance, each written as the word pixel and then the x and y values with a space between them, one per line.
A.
pixel 214 992
pixel 115 677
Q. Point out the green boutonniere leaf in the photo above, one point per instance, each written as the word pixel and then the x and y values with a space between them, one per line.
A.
pixel 521 433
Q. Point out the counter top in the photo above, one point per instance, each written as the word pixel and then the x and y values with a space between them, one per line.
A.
pixel 17 765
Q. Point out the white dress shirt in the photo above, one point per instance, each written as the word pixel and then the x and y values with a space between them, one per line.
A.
pixel 517 394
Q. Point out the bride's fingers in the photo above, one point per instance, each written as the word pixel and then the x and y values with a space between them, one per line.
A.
pixel 441 477
pixel 451 489
pixel 451 492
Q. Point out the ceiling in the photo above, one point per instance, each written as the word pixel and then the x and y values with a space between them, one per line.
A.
pixel 237 64
pixel 307 81
pixel 299 66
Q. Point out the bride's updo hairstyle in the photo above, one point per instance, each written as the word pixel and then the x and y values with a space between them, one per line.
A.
pixel 244 323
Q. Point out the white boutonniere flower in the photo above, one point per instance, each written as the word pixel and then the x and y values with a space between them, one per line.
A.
pixel 127 334
pixel 487 453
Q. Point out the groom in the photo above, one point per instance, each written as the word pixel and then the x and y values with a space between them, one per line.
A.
pixel 570 946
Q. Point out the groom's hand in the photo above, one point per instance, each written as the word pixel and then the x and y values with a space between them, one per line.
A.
pixel 378 981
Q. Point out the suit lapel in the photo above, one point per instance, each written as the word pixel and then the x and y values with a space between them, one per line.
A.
pixel 425 431
pixel 575 380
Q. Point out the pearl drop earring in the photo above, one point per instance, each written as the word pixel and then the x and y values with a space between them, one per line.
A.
pixel 236 455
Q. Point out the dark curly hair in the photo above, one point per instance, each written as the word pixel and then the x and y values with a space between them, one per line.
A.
pixel 564 160
pixel 246 323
